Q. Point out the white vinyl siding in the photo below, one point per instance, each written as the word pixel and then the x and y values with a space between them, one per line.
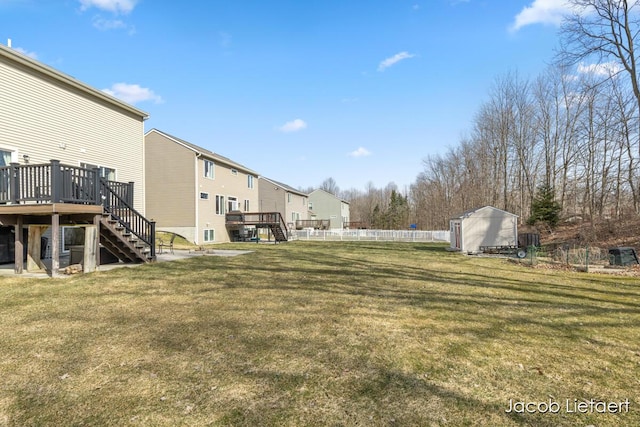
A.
pixel 50 120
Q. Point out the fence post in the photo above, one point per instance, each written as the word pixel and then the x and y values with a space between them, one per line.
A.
pixel 586 259
pixel 14 182
pixel 56 181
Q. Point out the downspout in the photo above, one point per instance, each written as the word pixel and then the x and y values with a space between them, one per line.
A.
pixel 197 206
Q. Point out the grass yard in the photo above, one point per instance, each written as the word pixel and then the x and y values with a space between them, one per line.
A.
pixel 312 333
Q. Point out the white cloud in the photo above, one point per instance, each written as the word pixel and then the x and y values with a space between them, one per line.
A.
pixel 293 126
pixel 107 24
pixel 31 55
pixel 605 69
pixel 132 93
pixel 541 12
pixel 394 60
pixel 360 152
pixel 115 6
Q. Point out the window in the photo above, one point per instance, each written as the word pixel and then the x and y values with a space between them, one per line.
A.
pixel 246 205
pixel 304 201
pixel 288 197
pixel 295 216
pixel 208 169
pixel 6 157
pixel 250 181
pixel 234 172
pixel 107 173
pixel 232 204
pixel 310 206
pixel 204 196
pixel 220 205
pixel 209 235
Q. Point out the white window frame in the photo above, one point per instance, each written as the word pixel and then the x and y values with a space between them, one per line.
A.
pixel 102 168
pixel 211 169
pixel 13 151
pixel 234 171
pixel 232 205
pixel 221 205
pixel 208 235
pixel 247 205
pixel 249 181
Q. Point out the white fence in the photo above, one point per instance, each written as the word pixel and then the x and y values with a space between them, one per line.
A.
pixel 371 235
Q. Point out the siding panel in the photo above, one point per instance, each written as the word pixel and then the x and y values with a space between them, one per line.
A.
pixel 47 119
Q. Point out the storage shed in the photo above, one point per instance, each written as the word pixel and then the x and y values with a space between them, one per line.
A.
pixel 486 226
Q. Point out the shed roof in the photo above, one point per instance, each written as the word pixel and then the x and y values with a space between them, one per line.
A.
pixel 204 152
pixel 470 212
pixel 40 68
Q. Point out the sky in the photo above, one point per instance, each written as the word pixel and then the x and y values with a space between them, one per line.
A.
pixel 361 91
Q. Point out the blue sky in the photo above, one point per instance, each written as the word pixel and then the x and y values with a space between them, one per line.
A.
pixel 357 90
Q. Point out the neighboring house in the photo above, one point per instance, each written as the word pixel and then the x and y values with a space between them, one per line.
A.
pixel 190 189
pixel 325 205
pixel 486 226
pixel 275 196
pixel 59 137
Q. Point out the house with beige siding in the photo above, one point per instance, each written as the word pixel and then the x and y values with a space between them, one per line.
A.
pixel 189 189
pixel 70 155
pixel 292 204
pixel 327 206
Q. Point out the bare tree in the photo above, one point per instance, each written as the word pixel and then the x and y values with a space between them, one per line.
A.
pixel 607 31
pixel 330 186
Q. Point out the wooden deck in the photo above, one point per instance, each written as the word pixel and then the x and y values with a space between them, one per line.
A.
pixel 50 209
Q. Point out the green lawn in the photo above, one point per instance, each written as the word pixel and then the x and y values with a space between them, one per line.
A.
pixel 308 333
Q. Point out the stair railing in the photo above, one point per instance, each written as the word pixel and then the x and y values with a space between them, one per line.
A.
pixel 133 221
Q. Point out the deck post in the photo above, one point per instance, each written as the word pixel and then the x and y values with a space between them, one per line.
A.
pixel 55 245
pixel 34 248
pixel 152 239
pixel 19 247
pixel 130 193
pixel 14 183
pixel 56 181
pixel 96 223
pixel 96 185
pixel 91 251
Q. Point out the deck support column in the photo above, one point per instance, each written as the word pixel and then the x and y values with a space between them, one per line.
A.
pixel 90 249
pixel 19 246
pixel 55 245
pixel 34 248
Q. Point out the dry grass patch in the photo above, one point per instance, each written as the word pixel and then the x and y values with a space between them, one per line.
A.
pixel 309 333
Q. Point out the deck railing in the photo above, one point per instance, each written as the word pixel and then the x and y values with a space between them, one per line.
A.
pixel 317 224
pixel 257 218
pixel 55 182
pixel 114 202
pixel 49 183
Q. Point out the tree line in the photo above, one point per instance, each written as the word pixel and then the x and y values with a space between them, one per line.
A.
pixel 568 137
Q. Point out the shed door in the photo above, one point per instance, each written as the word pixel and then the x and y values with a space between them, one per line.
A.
pixel 456 235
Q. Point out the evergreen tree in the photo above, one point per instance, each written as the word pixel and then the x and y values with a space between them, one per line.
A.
pixel 544 207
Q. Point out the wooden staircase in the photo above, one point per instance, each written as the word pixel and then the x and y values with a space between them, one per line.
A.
pixel 278 233
pixel 123 230
pixel 115 237
pixel 271 220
